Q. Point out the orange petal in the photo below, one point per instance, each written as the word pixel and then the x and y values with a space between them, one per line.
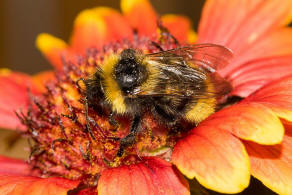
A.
pixel 20 185
pixel 14 97
pixel 117 26
pixel 152 176
pixel 178 26
pixel 141 16
pixel 273 164
pixel 90 30
pixel 251 76
pixel 237 24
pixel 41 79
pixel 52 48
pixel 95 27
pixel 276 96
pixel 277 43
pixel 249 121
pixel 13 167
pixel 215 158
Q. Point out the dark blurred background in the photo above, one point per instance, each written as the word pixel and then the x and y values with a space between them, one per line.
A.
pixel 21 21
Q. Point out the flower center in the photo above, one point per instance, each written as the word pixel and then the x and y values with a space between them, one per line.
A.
pixel 73 138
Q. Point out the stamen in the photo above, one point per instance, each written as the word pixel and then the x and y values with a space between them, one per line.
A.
pixel 59 140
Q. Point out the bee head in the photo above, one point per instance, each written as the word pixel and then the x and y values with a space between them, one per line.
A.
pixel 129 72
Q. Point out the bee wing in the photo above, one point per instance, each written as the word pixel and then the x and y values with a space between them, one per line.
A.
pixel 178 78
pixel 222 87
pixel 207 56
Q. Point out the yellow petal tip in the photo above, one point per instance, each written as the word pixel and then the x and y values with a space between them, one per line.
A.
pixel 127 5
pixel 192 36
pixel 85 16
pixel 269 133
pixel 91 17
pixel 101 10
pixel 46 42
pixel 4 72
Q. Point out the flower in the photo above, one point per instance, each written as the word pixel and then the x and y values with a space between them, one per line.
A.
pixel 250 137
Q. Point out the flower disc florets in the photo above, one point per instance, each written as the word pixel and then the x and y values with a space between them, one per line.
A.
pixel 67 143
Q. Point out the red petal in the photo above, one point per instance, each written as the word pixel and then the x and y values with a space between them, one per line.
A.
pixel 52 48
pixel 141 16
pixel 215 158
pixel 152 176
pixel 273 164
pixel 25 185
pixel 216 17
pixel 237 24
pixel 178 26
pixel 277 96
pixel 277 43
pixel 249 77
pixel 249 121
pixel 14 97
pixel 13 166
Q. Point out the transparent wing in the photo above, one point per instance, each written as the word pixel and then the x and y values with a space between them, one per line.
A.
pixel 188 72
pixel 189 89
pixel 207 56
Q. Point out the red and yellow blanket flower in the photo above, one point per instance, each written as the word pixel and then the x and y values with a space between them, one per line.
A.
pixel 250 137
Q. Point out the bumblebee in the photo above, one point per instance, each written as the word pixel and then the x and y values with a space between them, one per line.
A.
pixel 173 85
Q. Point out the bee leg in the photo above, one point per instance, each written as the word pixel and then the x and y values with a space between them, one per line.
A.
pixel 112 120
pixel 131 137
pixel 165 31
pixel 157 46
pixel 88 120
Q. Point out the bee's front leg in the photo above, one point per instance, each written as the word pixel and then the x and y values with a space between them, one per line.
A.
pixel 88 120
pixel 130 139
